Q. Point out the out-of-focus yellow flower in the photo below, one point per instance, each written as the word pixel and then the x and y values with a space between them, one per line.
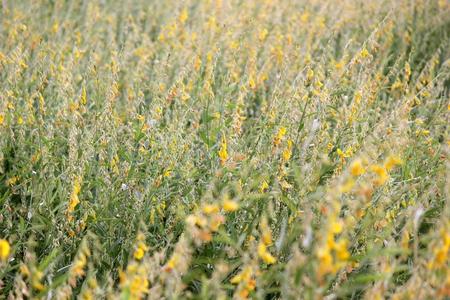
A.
pixel 336 226
pixel 364 53
pixel 173 261
pixel 339 65
pixel 381 174
pixel 230 205
pixel 12 181
pixel 341 250
pixel 441 252
pixel 262 34
pixel 216 115
pixel 287 152
pixel 134 282
pixel 197 63
pixel 184 15
pixel 279 136
pixel 77 269
pixel 223 152
pixel 264 186
pixel 341 153
pixel 4 249
pixel 357 168
pixel 391 162
pixel 245 275
pixel 252 83
pixel 265 255
pixel 325 258
pixel 36 280
pixel 83 97
pixel 397 85
pixel 210 209
pixel 215 222
pixel 347 185
pixel 266 234
pixel 139 253
pixel 200 221
pixel 310 75
pixel 74 200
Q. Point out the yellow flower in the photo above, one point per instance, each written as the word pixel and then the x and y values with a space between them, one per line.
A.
pixel 236 279
pixel 309 75
pixel 287 153
pixel 83 98
pixel 167 173
pixel 4 249
pixel 173 261
pixel 279 136
pixel 341 250
pixel 264 186
pixel 391 162
pixel 265 255
pixel 183 16
pixel 325 260
pixel 210 209
pixel 364 53
pixel 251 83
pixel 382 175
pixel 266 234
pixel 336 226
pixel 74 200
pixel 223 153
pixel 262 34
pixel 36 281
pixel 12 181
pixel 141 247
pixel 441 252
pixel 245 275
pixel 74 195
pixel 230 205
pixel 139 253
pixel 356 168
pixel 77 269
pixel 200 221
pixel 343 155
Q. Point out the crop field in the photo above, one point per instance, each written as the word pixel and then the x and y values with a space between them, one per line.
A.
pixel 225 149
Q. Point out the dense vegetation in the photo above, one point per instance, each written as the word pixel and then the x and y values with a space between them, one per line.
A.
pixel 217 149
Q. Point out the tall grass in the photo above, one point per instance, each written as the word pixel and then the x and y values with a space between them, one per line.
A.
pixel 224 149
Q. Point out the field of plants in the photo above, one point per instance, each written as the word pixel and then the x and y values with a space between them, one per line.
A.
pixel 225 149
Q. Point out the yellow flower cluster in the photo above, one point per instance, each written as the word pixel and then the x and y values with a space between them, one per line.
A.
pixel 141 248
pixel 266 240
pixel 77 269
pixel 382 172
pixel 73 200
pixel 246 281
pixel 441 252
pixel 279 136
pixel 223 152
pixel 208 220
pixel 332 254
pixel 4 249
pixel 134 281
